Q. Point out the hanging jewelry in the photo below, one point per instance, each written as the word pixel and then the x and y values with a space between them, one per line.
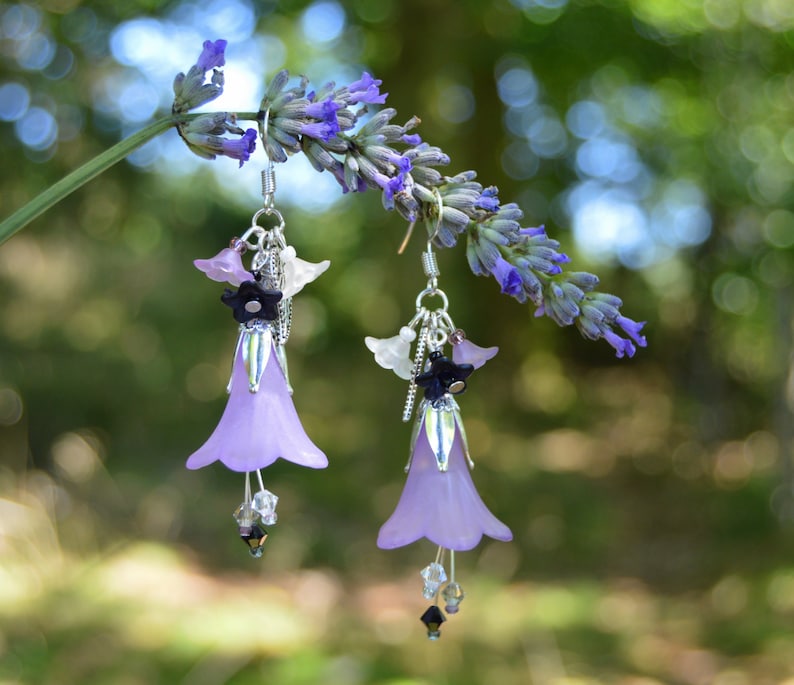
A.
pixel 260 423
pixel 439 501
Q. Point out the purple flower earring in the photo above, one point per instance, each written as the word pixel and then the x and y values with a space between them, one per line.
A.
pixel 439 501
pixel 259 424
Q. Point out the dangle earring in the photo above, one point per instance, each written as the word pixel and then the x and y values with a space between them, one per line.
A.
pixel 439 501
pixel 259 424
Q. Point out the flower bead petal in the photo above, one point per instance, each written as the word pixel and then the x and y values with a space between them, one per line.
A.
pixel 224 267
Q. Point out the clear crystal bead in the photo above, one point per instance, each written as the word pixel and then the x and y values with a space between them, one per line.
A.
pixel 264 504
pixel 453 595
pixel 244 515
pixel 434 575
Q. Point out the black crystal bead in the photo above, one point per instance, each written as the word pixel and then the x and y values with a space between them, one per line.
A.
pixel 254 537
pixel 252 301
pixel 433 618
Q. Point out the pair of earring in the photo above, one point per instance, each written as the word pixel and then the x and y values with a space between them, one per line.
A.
pixel 260 423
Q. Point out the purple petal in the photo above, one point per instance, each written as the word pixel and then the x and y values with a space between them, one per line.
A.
pixel 320 130
pixel 212 55
pixel 508 276
pixel 632 329
pixel 325 110
pixel 224 267
pixel 412 139
pixel 240 148
pixel 258 428
pixel 443 507
pixel 488 200
pixel 621 345
pixel 532 232
pixel 366 90
pixel 466 352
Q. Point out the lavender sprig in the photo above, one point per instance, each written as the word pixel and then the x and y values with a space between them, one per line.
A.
pixel 204 134
pixel 526 263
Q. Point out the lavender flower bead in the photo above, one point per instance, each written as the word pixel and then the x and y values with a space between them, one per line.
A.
pixel 466 352
pixel 445 507
pixel 224 267
pixel 258 428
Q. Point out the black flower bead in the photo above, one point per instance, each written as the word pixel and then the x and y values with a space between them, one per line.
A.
pixel 252 301
pixel 444 376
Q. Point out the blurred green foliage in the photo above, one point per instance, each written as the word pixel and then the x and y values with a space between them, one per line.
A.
pixel 651 499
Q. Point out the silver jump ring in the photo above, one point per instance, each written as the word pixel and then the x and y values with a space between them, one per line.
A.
pixel 430 292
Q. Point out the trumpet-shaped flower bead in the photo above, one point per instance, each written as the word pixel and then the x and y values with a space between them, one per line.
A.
pixel 224 267
pixel 442 506
pixel 466 352
pixel 508 277
pixel 258 427
pixel 299 272
pixel 394 353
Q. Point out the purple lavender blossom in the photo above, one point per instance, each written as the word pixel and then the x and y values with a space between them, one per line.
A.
pixel 632 329
pixel 412 139
pixel 390 186
pixel 366 89
pixel 320 130
pixel 325 111
pixel 488 200
pixel 466 352
pixel 508 277
pixel 212 55
pixel 443 507
pixel 224 267
pixel 240 148
pixel 621 345
pixel 258 427
pixel 532 232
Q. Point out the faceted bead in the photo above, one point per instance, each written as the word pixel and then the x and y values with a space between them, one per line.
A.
pixel 434 575
pixel 453 595
pixel 457 336
pixel 254 537
pixel 264 504
pixel 433 618
pixel 244 515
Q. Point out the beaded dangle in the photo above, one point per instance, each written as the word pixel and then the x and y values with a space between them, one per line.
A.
pixel 260 424
pixel 439 500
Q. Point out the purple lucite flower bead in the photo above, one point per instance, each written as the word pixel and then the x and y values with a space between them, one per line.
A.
pixel 466 352
pixel 224 267
pixel 258 427
pixel 443 507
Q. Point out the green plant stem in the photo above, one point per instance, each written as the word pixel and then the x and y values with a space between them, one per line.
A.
pixel 79 177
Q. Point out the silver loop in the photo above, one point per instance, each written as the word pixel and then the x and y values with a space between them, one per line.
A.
pixel 431 292
pixel 436 338
pixel 268 211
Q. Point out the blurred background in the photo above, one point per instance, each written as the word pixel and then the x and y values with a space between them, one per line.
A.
pixel 651 499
